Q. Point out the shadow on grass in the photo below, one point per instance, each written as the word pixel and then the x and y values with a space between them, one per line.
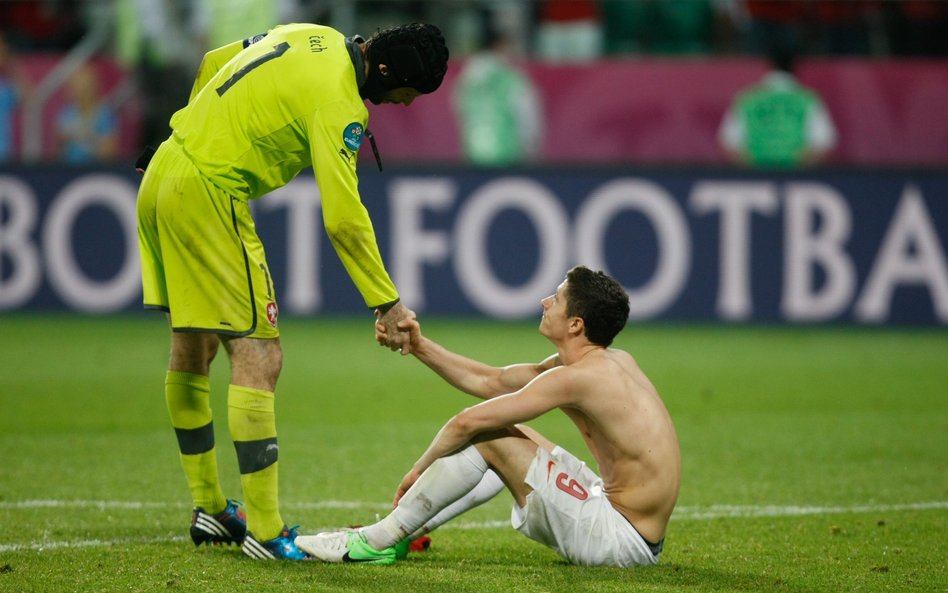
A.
pixel 702 578
pixel 480 575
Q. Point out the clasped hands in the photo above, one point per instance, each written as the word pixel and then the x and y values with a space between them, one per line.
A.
pixel 392 328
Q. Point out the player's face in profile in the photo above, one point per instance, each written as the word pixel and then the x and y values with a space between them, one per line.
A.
pixel 554 311
pixel 402 95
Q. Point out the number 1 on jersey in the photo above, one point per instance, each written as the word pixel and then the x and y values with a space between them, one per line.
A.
pixel 278 50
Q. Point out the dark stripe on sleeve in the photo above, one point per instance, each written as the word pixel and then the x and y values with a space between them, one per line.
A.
pixel 253 456
pixel 194 441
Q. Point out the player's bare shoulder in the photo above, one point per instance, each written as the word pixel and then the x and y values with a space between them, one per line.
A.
pixel 610 360
pixel 585 369
pixel 617 369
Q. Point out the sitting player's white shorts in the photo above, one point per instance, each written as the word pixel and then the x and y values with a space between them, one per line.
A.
pixel 568 512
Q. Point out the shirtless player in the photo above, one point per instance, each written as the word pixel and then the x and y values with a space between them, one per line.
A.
pixel 618 519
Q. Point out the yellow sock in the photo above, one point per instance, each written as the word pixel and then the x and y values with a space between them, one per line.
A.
pixel 252 425
pixel 188 399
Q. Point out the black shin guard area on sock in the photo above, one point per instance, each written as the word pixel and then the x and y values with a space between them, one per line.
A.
pixel 253 456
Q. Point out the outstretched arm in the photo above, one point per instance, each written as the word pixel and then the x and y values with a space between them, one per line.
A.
pixel 469 375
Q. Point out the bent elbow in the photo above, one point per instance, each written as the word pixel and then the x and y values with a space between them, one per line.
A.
pixel 465 424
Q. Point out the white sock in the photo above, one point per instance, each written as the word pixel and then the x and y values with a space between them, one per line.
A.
pixel 489 486
pixel 445 481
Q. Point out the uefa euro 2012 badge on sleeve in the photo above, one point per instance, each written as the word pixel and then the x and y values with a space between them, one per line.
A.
pixel 352 136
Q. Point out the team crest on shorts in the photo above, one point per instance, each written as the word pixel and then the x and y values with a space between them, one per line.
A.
pixel 352 136
pixel 272 314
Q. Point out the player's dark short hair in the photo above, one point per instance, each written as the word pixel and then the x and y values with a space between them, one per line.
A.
pixel 599 300
pixel 415 54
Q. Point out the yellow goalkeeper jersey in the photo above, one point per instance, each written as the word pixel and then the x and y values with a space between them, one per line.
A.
pixel 264 109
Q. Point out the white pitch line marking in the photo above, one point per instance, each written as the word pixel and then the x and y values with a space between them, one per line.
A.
pixel 133 505
pixel 87 543
pixel 695 513
pixel 718 511
pixel 682 512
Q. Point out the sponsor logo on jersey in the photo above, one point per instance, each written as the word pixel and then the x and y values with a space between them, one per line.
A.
pixel 352 136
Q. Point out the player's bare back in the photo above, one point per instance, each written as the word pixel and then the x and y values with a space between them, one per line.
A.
pixel 629 432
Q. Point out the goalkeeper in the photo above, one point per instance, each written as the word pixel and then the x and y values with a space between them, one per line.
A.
pixel 260 111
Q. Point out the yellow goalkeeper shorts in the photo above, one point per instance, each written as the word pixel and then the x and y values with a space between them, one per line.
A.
pixel 202 260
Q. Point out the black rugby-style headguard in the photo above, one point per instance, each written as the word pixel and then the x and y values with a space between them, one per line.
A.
pixel 416 57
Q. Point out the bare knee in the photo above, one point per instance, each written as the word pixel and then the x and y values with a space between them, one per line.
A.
pixel 507 449
pixel 193 352
pixel 510 454
pixel 255 362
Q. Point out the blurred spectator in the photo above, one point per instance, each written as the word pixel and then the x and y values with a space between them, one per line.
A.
pixel 497 106
pixel 569 30
pixel 658 26
pixel 777 122
pixel 152 43
pixel 13 87
pixel 86 128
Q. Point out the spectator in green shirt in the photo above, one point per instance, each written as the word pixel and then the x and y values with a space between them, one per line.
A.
pixel 498 109
pixel 778 122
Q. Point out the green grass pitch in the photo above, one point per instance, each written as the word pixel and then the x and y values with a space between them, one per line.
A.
pixel 815 459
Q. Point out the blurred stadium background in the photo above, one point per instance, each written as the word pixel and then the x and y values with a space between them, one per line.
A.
pixel 792 317
pixel 626 172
